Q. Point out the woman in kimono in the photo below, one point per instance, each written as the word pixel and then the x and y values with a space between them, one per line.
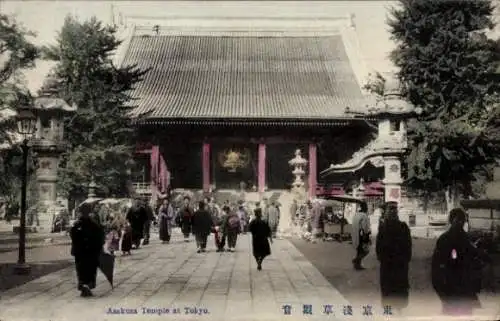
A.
pixel 261 237
pixel 165 218
pixel 231 228
pixel 273 218
pixel 394 249
pixel 186 218
pixel 87 240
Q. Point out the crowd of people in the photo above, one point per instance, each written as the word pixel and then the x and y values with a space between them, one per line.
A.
pixel 456 262
pixel 98 230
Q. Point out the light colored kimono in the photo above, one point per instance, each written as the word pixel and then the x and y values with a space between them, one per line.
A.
pixel 360 221
pixel 272 217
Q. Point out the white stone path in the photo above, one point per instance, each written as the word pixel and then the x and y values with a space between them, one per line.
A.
pixel 173 276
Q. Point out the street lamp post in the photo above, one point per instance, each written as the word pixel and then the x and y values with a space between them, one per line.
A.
pixel 26 125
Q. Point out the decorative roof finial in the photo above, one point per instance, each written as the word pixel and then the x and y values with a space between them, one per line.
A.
pixel 156 29
pixel 50 86
pixel 352 20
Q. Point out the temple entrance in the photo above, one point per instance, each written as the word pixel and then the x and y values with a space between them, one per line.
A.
pixel 185 165
pixel 234 165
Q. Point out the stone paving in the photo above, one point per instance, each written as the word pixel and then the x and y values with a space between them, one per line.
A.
pixel 173 276
pixel 160 279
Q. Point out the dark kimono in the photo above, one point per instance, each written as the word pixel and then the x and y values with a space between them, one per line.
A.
pixel 137 216
pixel 394 250
pixel 186 221
pixel 165 217
pixel 202 226
pixel 126 239
pixel 261 232
pixel 231 232
pixel 456 273
pixel 87 240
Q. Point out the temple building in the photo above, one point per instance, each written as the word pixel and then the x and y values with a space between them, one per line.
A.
pixel 227 102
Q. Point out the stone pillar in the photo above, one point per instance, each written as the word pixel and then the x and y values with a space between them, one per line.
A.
pixel 205 165
pixel 46 177
pixel 313 171
pixel 392 179
pixel 262 168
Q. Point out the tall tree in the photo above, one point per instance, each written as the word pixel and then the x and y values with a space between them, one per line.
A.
pixel 17 53
pixel 446 66
pixel 100 133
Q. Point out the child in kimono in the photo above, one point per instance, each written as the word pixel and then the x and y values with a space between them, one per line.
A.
pixel 126 239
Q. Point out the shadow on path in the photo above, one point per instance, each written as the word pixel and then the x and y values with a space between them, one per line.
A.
pixel 8 279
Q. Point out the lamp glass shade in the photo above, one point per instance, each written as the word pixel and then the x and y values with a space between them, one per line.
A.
pixel 26 122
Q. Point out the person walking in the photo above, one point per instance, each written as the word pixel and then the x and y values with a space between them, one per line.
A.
pixel 243 216
pixel 137 216
pixel 219 230
pixel 231 228
pixel 265 209
pixel 261 238
pixel 150 217
pixel 87 240
pixel 394 250
pixel 294 208
pixel 202 226
pixel 165 219
pixel 272 218
pixel 316 220
pixel 186 218
pixel 361 232
pixel 456 268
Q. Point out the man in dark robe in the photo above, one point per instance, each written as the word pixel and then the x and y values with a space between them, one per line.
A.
pixel 87 240
pixel 150 217
pixel 186 218
pixel 137 216
pixel 261 237
pixel 456 268
pixel 394 249
pixel 202 226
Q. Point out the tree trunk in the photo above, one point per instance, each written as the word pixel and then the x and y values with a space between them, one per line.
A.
pixel 452 198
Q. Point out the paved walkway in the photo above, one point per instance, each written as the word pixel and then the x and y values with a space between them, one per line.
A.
pixel 158 280
pixel 227 286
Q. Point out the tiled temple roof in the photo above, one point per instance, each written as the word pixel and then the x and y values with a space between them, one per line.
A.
pixel 243 77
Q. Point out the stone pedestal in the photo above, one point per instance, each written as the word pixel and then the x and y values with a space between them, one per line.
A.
pixel 46 176
pixel 392 179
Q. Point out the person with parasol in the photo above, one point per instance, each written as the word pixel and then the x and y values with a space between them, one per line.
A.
pixel 87 239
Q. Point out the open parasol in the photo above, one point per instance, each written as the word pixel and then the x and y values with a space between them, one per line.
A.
pixel 91 200
pixel 107 266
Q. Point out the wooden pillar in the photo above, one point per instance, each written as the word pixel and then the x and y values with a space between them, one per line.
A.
pixel 205 165
pixel 154 157
pixel 262 168
pixel 313 170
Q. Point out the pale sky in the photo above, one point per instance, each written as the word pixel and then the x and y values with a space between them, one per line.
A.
pixel 47 17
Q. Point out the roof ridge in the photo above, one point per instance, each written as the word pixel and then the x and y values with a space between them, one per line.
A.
pixel 244 32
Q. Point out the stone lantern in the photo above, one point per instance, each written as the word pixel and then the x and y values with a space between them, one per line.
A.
pixel 49 144
pixel 298 163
